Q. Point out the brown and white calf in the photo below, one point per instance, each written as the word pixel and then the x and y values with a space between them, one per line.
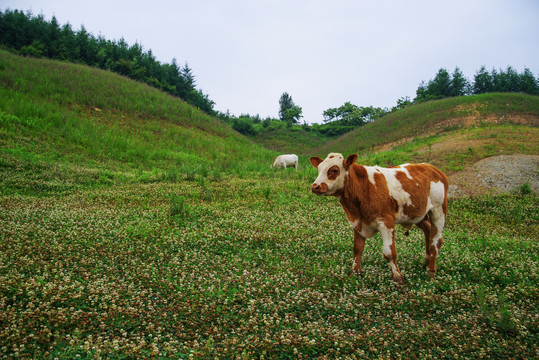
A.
pixel 375 199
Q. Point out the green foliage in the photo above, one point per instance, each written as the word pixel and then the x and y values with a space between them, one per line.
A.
pixel 350 114
pixel 459 85
pixel 525 189
pixel 482 81
pixel 288 111
pixel 244 126
pixel 348 117
pixel 179 211
pixel 443 85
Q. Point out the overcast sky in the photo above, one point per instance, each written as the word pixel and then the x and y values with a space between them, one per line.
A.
pixel 246 53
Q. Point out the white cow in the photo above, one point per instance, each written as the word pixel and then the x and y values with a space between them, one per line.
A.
pixel 284 161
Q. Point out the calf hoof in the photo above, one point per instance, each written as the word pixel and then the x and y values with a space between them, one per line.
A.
pixel 355 272
pixel 398 279
pixel 431 274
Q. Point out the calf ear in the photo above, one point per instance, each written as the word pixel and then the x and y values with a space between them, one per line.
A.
pixel 350 160
pixel 315 160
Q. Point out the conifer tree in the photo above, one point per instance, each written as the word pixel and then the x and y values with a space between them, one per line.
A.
pixel 483 82
pixel 459 84
pixel 528 83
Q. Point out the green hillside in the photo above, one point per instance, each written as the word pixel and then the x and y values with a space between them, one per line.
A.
pixel 449 133
pixel 63 124
pixel 294 140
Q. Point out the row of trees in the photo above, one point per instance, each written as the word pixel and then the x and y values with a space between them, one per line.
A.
pixel 456 84
pixel 34 36
pixel 337 121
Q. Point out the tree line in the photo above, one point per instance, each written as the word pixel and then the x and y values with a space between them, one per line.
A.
pixel 456 84
pixel 31 35
pixel 337 121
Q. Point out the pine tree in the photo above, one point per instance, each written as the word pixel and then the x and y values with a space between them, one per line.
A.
pixel 459 85
pixel 528 83
pixel 483 82
pixel 440 86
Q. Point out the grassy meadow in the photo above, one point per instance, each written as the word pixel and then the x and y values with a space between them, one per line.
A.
pixel 133 226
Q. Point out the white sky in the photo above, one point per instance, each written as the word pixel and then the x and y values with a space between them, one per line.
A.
pixel 246 53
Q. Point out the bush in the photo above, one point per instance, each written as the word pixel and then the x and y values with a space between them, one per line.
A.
pixel 525 189
pixel 244 126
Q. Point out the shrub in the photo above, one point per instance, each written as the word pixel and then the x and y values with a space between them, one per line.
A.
pixel 178 209
pixel 525 189
pixel 244 126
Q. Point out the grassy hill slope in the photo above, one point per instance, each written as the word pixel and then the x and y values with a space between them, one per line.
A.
pixel 293 140
pixel 62 124
pixel 440 116
pixel 451 134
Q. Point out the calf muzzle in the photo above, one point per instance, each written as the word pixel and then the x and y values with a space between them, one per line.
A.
pixel 319 188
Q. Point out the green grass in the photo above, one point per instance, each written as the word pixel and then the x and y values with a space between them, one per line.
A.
pixel 258 267
pixel 293 140
pixel 134 226
pixel 458 149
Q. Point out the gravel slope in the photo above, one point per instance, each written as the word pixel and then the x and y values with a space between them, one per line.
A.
pixel 496 174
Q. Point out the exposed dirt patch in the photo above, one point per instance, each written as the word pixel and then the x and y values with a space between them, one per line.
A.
pixel 496 174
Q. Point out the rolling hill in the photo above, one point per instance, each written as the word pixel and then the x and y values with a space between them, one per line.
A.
pixel 438 121
pixel 64 124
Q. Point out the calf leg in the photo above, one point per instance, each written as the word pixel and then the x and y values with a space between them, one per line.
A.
pixel 425 226
pixel 432 225
pixel 390 252
pixel 437 220
pixel 359 246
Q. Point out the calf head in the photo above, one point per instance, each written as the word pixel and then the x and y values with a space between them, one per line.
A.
pixel 331 173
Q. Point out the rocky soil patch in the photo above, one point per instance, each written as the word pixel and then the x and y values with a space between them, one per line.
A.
pixel 496 174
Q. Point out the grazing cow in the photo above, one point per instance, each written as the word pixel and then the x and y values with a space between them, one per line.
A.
pixel 284 161
pixel 376 198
